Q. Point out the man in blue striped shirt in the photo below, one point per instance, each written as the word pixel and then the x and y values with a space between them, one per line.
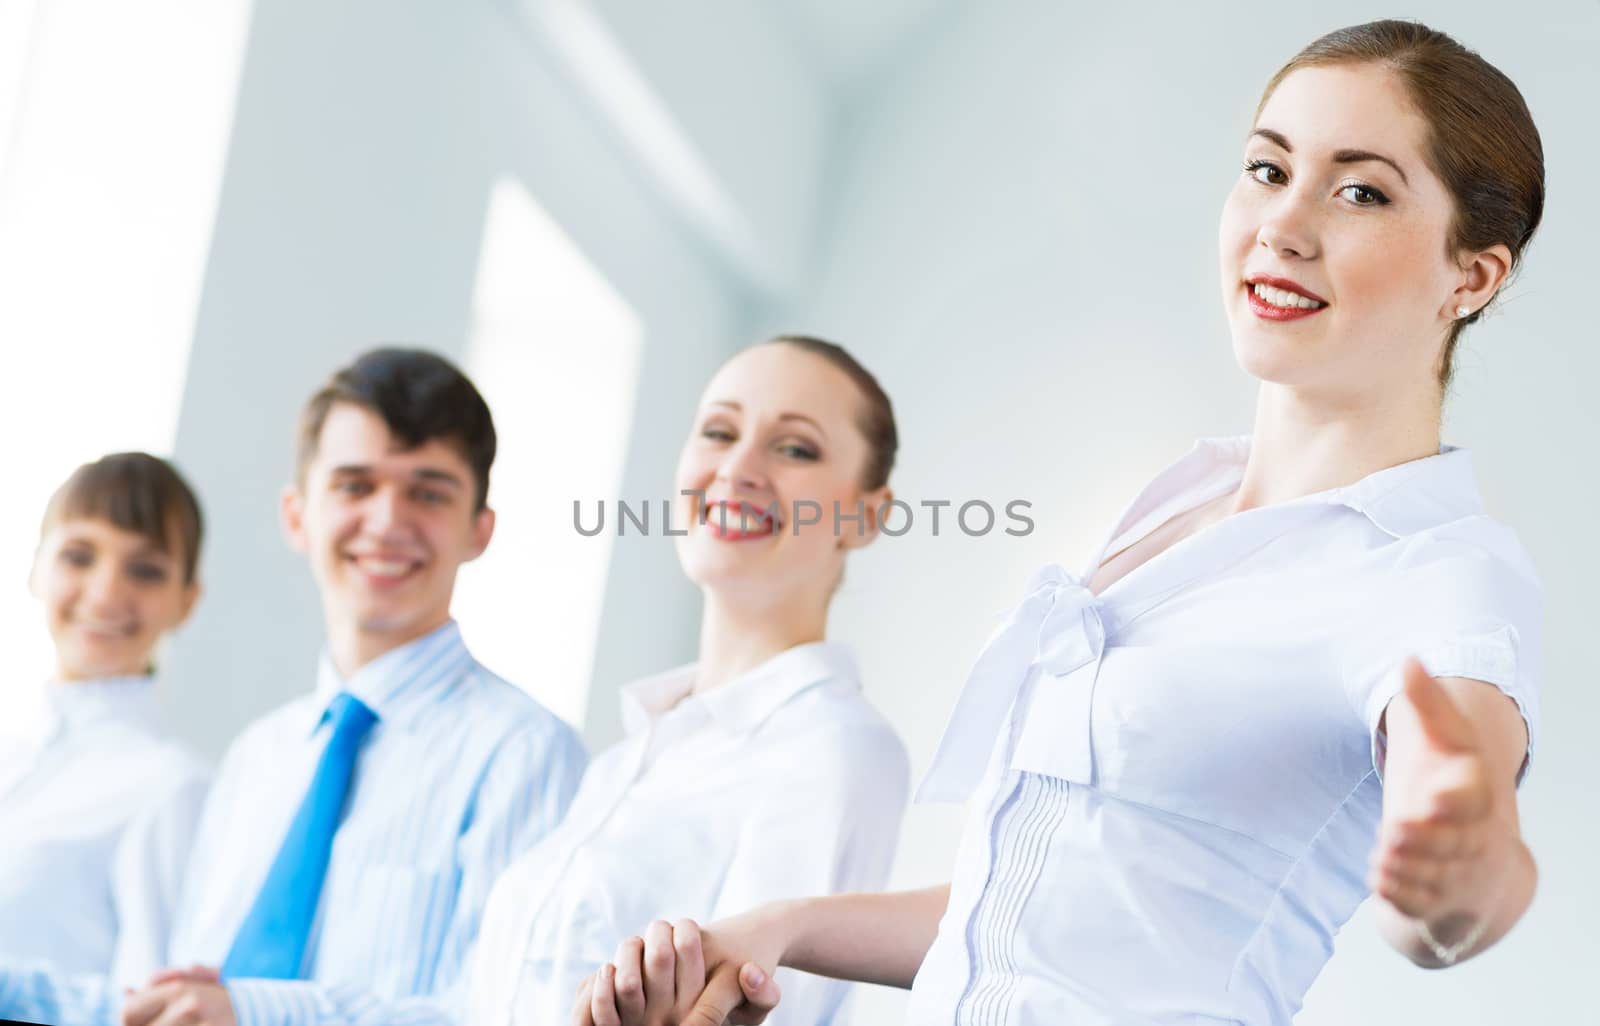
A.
pixel 351 837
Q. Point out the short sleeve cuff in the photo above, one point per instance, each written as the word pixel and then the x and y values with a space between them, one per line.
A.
pixel 1490 657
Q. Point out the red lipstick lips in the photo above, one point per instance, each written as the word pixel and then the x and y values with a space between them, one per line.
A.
pixel 1266 311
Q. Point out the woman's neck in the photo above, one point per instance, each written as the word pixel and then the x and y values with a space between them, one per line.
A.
pixel 738 636
pixel 1302 445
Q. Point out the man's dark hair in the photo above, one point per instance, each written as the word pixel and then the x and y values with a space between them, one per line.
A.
pixel 420 395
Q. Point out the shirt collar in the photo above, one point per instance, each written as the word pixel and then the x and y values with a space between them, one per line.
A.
pixel 1419 495
pixel 1401 500
pixel 400 684
pixel 122 698
pixel 744 703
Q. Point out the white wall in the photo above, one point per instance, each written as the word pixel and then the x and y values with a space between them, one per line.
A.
pixel 367 141
pixel 754 112
pixel 1023 248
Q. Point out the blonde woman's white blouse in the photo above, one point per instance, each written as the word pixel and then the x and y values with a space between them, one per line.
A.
pixel 1177 782
pixel 98 807
pixel 781 783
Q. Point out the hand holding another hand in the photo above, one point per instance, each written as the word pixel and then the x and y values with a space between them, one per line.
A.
pixel 680 975
pixel 180 997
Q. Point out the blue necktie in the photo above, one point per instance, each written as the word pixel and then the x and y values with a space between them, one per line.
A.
pixel 272 942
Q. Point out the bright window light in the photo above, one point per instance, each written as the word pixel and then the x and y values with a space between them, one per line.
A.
pixel 555 350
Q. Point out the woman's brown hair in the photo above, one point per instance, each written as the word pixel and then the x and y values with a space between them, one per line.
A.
pixel 876 421
pixel 1481 141
pixel 139 493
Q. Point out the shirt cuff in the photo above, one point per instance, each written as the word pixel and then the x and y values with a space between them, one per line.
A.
pixel 274 1002
pixel 1491 657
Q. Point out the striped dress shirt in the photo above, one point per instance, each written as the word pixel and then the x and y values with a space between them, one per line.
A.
pixel 461 774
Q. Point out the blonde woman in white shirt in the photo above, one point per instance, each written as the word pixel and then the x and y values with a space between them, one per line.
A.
pixel 98 801
pixel 758 772
pixel 1191 763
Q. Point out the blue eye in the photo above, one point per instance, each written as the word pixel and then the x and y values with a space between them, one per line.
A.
pixel 799 452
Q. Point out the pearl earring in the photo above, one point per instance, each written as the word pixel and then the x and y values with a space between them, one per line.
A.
pixel 1462 311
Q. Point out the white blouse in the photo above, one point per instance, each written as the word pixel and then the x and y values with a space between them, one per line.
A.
pixel 781 783
pixel 1178 781
pixel 98 805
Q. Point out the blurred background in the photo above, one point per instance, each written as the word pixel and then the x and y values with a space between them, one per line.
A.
pixel 1006 209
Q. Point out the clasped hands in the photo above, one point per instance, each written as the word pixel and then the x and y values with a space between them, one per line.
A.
pixel 678 974
pixel 180 997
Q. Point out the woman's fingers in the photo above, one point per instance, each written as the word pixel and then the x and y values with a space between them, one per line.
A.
pixel 629 980
pixel 1441 840
pixel 582 1014
pixel 1410 897
pixel 660 963
pixel 1415 868
pixel 195 973
pixel 690 975
pixel 722 995
pixel 603 999
pixel 143 1008
pixel 761 994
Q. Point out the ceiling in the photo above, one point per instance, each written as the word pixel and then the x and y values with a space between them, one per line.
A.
pixel 847 41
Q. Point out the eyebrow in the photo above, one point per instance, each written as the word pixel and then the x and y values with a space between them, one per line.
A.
pixel 732 405
pixel 442 476
pixel 422 474
pixel 1339 156
pixel 146 547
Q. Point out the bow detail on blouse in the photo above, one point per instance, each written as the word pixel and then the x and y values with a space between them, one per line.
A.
pixel 1057 627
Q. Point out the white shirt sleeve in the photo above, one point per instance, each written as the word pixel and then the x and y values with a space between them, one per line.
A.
pixel 1463 611
pixel 146 874
pixel 833 830
pixel 37 992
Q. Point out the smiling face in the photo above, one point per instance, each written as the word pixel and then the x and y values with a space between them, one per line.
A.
pixel 1337 204
pixel 777 429
pixel 109 595
pixel 385 529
